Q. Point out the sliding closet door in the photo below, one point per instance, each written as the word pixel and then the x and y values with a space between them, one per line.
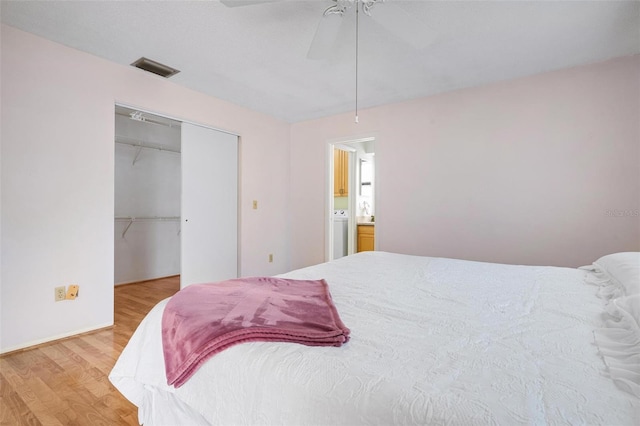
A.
pixel 209 205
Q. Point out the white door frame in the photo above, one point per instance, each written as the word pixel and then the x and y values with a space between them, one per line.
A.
pixel 172 117
pixel 342 143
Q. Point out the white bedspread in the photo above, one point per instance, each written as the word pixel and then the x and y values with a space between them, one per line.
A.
pixel 433 341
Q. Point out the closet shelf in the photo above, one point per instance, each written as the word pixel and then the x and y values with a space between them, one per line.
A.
pixel 143 145
pixel 131 219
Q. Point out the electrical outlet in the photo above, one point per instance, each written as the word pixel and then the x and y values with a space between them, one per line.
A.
pixel 270 258
pixel 60 293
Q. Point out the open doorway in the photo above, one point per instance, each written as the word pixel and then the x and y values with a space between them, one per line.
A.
pixel 351 197
pixel 176 200
pixel 147 196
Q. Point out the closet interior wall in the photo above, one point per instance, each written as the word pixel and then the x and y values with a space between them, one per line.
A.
pixel 147 197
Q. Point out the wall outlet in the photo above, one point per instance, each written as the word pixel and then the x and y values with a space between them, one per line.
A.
pixel 270 258
pixel 60 293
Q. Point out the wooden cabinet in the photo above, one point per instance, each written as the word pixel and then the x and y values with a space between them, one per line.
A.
pixel 340 173
pixel 366 241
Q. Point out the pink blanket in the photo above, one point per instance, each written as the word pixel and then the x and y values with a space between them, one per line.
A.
pixel 202 320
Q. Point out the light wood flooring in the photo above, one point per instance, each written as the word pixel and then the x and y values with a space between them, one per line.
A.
pixel 65 382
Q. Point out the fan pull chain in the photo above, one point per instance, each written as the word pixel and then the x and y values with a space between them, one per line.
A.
pixel 357 33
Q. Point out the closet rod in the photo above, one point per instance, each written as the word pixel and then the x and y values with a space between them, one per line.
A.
pixel 136 218
pixel 132 219
pixel 141 145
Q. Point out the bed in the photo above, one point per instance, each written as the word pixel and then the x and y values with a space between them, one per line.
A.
pixel 433 341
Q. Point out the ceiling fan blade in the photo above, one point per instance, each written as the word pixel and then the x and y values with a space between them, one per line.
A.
pixel 237 3
pixel 325 37
pixel 401 23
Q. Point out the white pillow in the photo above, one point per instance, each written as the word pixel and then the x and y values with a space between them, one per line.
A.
pixel 624 268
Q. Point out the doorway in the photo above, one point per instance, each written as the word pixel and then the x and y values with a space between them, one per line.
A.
pixel 147 196
pixel 176 200
pixel 350 214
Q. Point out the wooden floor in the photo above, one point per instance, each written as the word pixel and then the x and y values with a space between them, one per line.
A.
pixel 65 382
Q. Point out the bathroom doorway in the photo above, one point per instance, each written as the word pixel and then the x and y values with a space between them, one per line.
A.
pixel 350 197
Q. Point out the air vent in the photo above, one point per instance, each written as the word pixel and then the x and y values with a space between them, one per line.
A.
pixel 155 67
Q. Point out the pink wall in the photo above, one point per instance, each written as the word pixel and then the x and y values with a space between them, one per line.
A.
pixel 57 181
pixel 519 172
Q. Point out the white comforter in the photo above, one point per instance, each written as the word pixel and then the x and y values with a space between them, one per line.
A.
pixel 433 341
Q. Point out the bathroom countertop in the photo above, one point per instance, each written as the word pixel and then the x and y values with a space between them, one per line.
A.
pixel 364 220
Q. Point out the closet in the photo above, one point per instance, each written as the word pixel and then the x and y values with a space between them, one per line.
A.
pixel 175 200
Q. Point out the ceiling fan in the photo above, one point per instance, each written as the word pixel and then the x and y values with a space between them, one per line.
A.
pixel 389 14
pixel 393 18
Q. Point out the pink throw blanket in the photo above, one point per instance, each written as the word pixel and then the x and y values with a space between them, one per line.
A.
pixel 202 320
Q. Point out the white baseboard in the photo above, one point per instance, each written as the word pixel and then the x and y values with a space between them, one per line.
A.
pixel 53 338
pixel 145 279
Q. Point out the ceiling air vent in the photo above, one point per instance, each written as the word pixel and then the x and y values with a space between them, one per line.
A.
pixel 155 67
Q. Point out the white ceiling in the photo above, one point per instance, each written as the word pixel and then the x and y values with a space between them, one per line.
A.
pixel 256 56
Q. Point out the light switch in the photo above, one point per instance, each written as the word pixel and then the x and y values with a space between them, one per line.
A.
pixel 255 204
